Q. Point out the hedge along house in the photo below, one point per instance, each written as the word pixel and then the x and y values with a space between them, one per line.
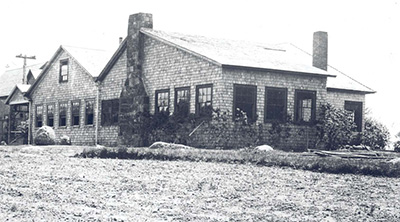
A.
pixel 268 82
pixel 65 94
pixel 13 106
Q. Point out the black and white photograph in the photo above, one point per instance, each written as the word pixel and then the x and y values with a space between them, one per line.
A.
pixel 177 110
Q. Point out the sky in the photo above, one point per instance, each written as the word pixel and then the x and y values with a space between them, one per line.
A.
pixel 364 36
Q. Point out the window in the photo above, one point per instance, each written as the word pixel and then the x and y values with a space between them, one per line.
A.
pixel 89 112
pixel 162 101
pixel 204 100
pixel 244 101
pixel 39 115
pixel 275 104
pixel 75 113
pixel 63 114
pixel 109 112
pixel 50 115
pixel 305 106
pixel 182 101
pixel 356 109
pixel 64 69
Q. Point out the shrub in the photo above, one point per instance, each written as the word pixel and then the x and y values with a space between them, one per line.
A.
pixel 335 127
pixel 396 144
pixel 375 134
pixel 45 136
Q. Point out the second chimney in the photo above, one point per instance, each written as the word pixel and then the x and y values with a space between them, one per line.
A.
pixel 320 50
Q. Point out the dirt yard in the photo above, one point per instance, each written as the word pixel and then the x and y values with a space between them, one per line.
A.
pixel 46 184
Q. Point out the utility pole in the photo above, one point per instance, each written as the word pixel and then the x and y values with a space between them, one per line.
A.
pixel 24 67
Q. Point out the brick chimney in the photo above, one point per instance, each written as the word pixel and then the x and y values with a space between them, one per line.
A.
pixel 320 50
pixel 134 101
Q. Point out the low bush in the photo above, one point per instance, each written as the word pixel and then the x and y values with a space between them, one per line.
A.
pixel 303 161
pixel 375 134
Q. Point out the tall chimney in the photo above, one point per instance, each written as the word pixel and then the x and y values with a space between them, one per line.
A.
pixel 134 101
pixel 320 50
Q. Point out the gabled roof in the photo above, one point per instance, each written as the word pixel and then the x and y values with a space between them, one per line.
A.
pixel 342 82
pixel 112 61
pixel 11 77
pixel 23 88
pixel 238 53
pixel 92 60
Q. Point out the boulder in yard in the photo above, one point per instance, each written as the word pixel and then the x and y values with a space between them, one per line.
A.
pixel 395 160
pixel 164 145
pixel 45 136
pixel 3 143
pixel 265 148
pixel 65 140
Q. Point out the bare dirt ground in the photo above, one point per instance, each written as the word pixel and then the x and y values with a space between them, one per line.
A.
pixel 46 184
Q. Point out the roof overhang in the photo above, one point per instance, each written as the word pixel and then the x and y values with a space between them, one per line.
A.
pixel 276 71
pixel 332 89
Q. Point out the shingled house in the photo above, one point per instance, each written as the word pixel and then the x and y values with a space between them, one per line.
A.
pixel 13 106
pixel 155 70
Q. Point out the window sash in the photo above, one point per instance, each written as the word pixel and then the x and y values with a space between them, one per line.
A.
pixel 50 115
pixel 356 109
pixel 305 106
pixel 245 100
pixel 64 70
pixel 62 109
pixel 39 115
pixel 275 104
pixel 162 101
pixel 182 101
pixel 89 112
pixel 109 112
pixel 75 112
pixel 204 97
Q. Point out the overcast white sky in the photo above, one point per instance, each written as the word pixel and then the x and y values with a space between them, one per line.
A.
pixel 364 36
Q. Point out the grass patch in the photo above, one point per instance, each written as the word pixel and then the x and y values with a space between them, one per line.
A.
pixel 303 161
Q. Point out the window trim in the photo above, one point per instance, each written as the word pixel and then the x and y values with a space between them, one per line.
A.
pixel 176 98
pixel 358 103
pixel 36 115
pixel 85 116
pixel 72 113
pixel 66 114
pixel 285 112
pixel 313 106
pixel 198 87
pixel 253 87
pixel 62 63
pixel 156 99
pixel 47 114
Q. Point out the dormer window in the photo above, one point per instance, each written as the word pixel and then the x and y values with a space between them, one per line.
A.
pixel 64 69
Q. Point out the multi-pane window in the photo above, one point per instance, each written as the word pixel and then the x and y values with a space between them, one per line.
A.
pixel 50 115
pixel 305 106
pixel 64 69
pixel 275 104
pixel 39 116
pixel 89 112
pixel 75 112
pixel 109 112
pixel 63 106
pixel 204 99
pixel 162 101
pixel 356 109
pixel 244 101
pixel 182 101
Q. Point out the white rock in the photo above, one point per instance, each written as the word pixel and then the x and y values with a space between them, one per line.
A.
pixel 395 160
pixel 265 148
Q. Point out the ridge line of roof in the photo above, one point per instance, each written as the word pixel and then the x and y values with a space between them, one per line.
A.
pixel 145 31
